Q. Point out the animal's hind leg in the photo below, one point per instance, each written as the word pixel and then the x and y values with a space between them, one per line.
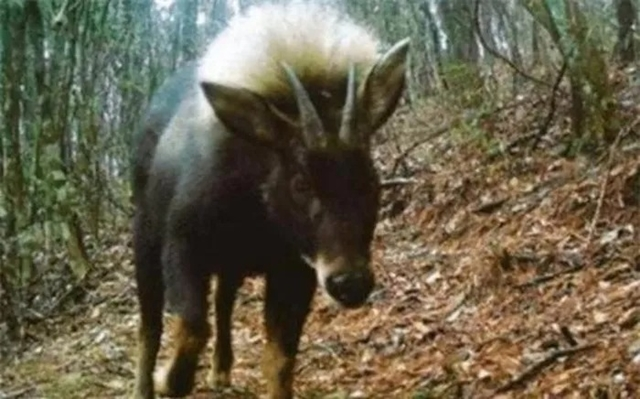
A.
pixel 150 294
pixel 288 301
pixel 226 290
pixel 187 292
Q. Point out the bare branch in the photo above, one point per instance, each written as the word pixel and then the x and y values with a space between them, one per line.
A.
pixel 544 128
pixel 496 53
pixel 536 368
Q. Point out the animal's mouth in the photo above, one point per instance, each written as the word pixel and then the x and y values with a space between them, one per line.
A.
pixel 346 287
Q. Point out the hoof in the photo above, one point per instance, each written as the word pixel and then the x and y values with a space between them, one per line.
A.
pixel 143 389
pixel 219 380
pixel 169 383
pixel 142 395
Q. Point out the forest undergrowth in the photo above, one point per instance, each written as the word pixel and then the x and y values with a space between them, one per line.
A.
pixel 505 269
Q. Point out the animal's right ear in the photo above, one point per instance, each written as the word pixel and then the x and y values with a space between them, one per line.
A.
pixel 244 113
pixel 381 89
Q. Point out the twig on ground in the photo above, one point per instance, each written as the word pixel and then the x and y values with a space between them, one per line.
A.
pixel 17 393
pixel 436 133
pixel 490 206
pixel 568 336
pixel 535 368
pixel 461 300
pixel 397 181
pixel 548 277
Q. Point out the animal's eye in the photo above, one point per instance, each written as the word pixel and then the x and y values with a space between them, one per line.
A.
pixel 300 185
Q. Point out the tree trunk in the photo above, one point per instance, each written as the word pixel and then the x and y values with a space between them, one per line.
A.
pixel 14 40
pixel 626 15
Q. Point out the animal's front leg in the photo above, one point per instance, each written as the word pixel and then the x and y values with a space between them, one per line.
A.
pixel 288 301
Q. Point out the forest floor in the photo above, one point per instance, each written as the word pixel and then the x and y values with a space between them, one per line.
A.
pixel 504 270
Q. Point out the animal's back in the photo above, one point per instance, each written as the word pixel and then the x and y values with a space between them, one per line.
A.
pixel 164 105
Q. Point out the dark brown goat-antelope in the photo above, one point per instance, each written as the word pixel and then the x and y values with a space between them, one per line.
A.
pixel 256 161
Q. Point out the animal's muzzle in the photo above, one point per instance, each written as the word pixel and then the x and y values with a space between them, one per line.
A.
pixel 350 288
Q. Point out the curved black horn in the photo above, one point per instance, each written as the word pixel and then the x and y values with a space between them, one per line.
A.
pixel 312 128
pixel 348 125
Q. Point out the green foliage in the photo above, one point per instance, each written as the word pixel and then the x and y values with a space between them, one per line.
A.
pixel 473 132
pixel 463 83
pixel 73 83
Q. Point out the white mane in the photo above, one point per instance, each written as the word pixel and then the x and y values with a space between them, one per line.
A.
pixel 317 42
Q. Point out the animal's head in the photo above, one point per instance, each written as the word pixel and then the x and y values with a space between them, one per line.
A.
pixel 324 190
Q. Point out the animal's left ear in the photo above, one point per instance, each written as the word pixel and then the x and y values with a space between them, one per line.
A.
pixel 380 91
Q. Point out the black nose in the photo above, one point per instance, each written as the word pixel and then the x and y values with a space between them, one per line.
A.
pixel 351 288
